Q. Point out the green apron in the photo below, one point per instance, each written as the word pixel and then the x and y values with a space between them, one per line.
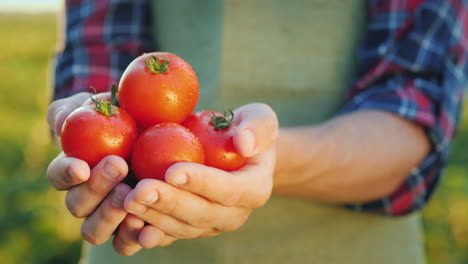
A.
pixel 297 56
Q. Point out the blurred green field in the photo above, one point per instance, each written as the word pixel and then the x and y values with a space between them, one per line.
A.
pixel 34 225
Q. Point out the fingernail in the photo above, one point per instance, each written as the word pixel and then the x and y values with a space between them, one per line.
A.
pixel 111 172
pixel 178 179
pixel 249 141
pixel 152 197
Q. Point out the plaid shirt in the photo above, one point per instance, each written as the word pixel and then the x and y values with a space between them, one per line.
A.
pixel 413 63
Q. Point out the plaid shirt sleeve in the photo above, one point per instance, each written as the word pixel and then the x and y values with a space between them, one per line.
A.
pixel 413 63
pixel 102 38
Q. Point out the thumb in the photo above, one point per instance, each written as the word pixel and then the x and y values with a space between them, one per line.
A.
pixel 257 128
pixel 60 109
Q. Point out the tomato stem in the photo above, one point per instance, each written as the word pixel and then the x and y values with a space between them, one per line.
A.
pixel 223 122
pixel 157 65
pixel 104 107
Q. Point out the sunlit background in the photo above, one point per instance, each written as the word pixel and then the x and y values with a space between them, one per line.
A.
pixel 29 6
pixel 34 225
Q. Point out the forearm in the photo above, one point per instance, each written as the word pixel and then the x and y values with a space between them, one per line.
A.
pixel 353 158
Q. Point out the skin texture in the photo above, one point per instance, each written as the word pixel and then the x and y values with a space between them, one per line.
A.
pixel 100 137
pixel 87 188
pixel 153 98
pixel 161 146
pixel 348 159
pixel 218 145
pixel 345 159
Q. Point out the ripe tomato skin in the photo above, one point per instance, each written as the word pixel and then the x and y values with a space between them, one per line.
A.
pixel 218 145
pixel 162 145
pixel 153 98
pixel 90 136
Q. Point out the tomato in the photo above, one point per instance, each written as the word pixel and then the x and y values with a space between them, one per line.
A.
pixel 94 131
pixel 158 87
pixel 162 145
pixel 215 131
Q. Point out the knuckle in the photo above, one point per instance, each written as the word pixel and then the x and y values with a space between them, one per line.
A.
pixel 230 228
pixel 186 233
pixel 77 212
pixel 51 111
pixel 124 248
pixel 237 223
pixel 231 199
pixel 259 202
pixel 114 160
pixel 203 221
pixel 73 207
pixel 52 176
pixel 98 187
pixel 233 226
pixel 170 206
pixel 272 125
pixel 262 197
pixel 108 216
pixel 267 109
pixel 89 236
pixel 52 180
pixel 125 252
pixel 132 222
pixel 210 233
pixel 167 241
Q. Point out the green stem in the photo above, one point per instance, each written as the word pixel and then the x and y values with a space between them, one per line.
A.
pixel 223 122
pixel 157 65
pixel 104 107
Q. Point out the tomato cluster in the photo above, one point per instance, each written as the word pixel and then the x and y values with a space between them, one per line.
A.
pixel 152 125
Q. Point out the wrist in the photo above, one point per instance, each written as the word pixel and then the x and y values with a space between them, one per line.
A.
pixel 303 153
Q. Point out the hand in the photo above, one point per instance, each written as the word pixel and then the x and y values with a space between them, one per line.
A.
pixel 200 201
pixel 89 190
pixel 97 196
pixel 60 109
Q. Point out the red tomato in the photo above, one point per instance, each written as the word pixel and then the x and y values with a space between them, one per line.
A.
pixel 162 145
pixel 94 131
pixel 157 88
pixel 215 130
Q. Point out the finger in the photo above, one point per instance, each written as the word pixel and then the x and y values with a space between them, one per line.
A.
pixel 83 199
pixel 60 109
pixel 257 129
pixel 167 240
pixel 100 225
pixel 150 236
pixel 98 97
pixel 249 187
pixel 164 223
pixel 211 233
pixel 180 213
pixel 65 172
pixel 126 240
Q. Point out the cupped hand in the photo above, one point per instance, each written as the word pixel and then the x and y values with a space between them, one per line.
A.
pixel 92 193
pixel 201 201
